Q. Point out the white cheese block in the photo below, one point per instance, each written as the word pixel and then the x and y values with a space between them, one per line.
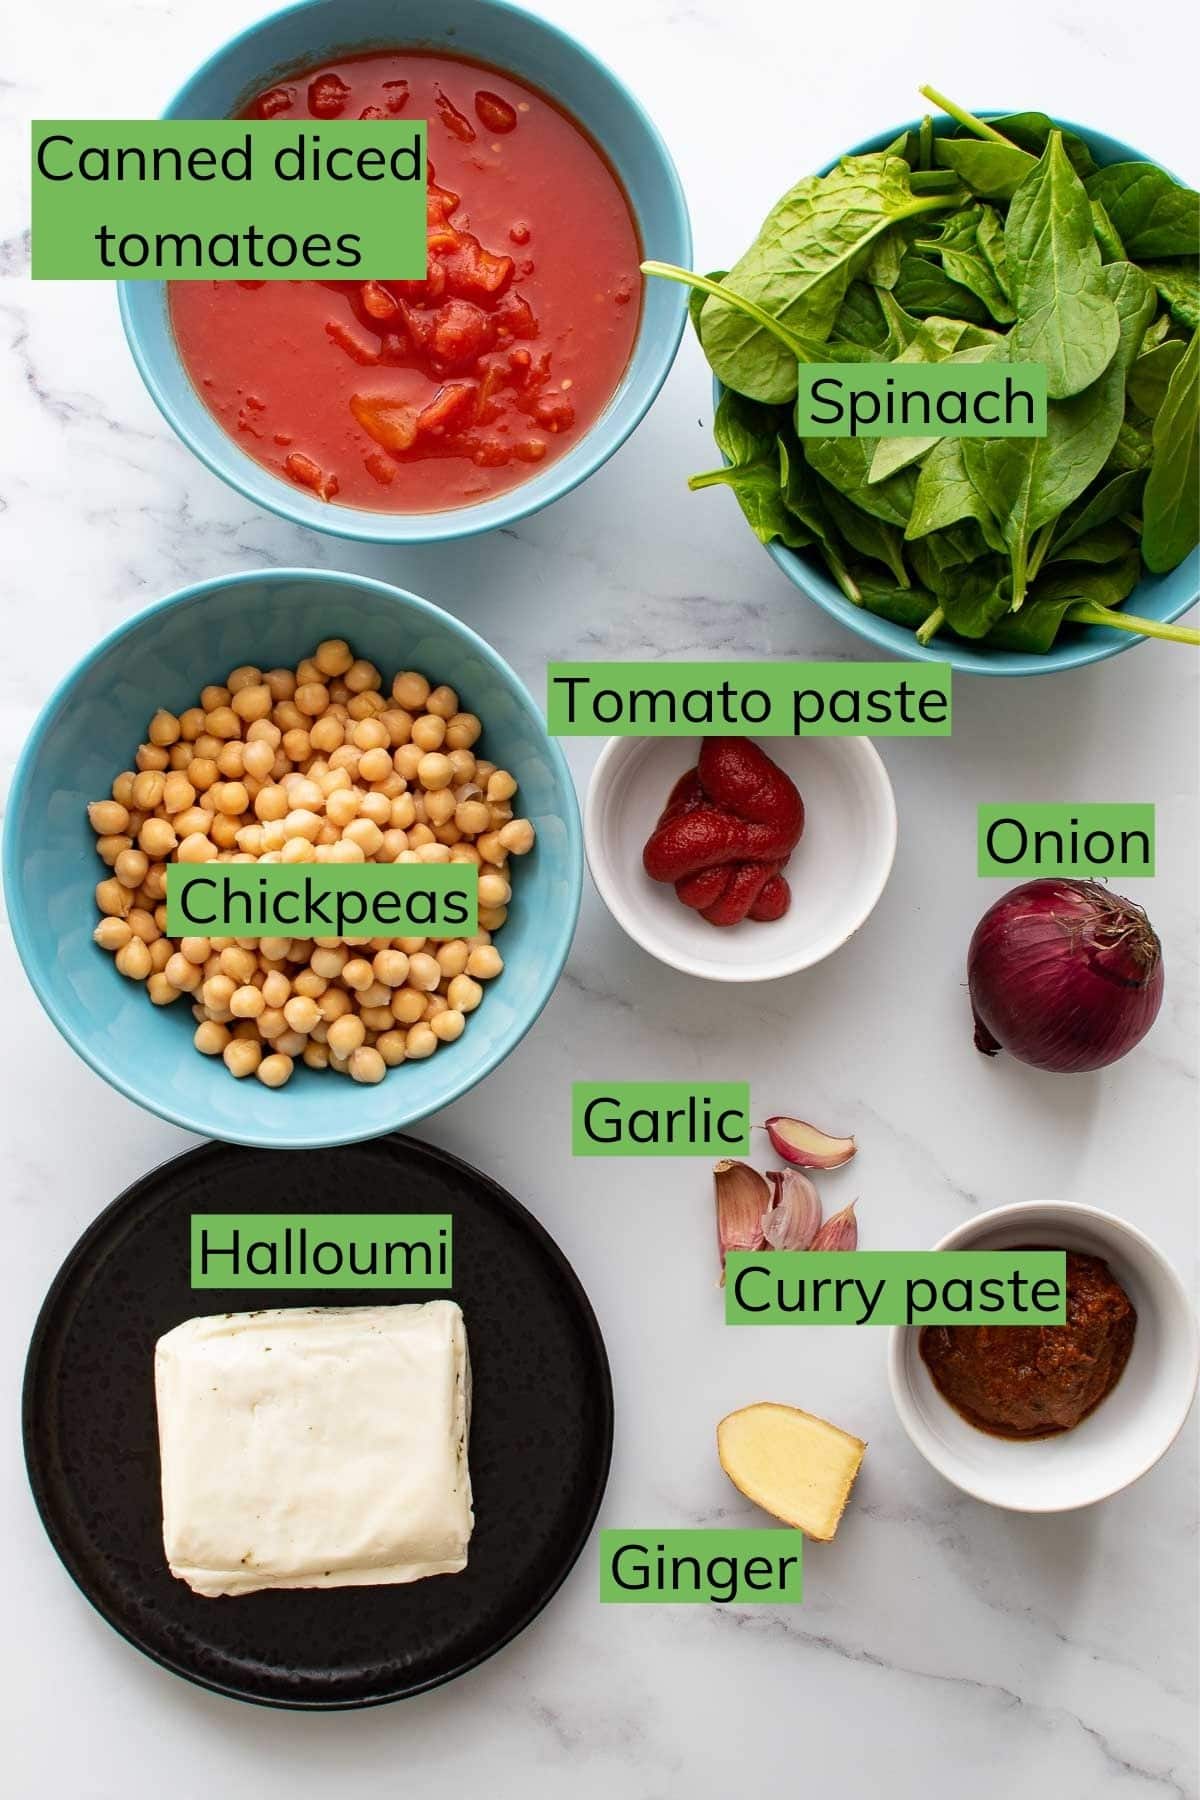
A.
pixel 315 1447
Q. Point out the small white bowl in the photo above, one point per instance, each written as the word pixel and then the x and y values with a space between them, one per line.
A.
pixel 837 871
pixel 1131 1428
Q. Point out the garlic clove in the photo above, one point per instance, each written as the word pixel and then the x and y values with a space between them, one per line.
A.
pixel 807 1147
pixel 795 1215
pixel 838 1233
pixel 743 1196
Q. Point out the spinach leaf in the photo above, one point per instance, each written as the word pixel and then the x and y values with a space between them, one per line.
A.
pixel 1065 318
pixel 802 495
pixel 909 606
pixel 1156 332
pixel 979 598
pixel 1178 287
pixel 1153 215
pixel 921 287
pixel 1132 293
pixel 1032 130
pixel 964 261
pixel 861 319
pixel 1054 596
pixel 745 434
pixel 1111 247
pixel 1027 482
pixel 1105 544
pixel 871 537
pixel 799 267
pixel 1112 497
pixel 992 171
pixel 1151 374
pixel 1132 449
pixel 946 494
pixel 845 464
pixel 1171 503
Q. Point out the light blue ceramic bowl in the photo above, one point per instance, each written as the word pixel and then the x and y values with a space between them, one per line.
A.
pixel 507 37
pixel 88 732
pixel 1163 597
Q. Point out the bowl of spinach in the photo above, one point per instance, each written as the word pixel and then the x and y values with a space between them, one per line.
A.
pixel 1014 238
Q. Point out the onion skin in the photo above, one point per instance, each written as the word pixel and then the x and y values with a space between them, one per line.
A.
pixel 1064 975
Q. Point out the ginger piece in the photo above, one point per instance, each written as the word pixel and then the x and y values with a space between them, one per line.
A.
pixel 792 1464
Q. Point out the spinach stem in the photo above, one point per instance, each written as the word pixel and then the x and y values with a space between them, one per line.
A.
pixel 932 624
pixel 711 478
pixel 978 126
pixel 842 576
pixel 689 278
pixel 1085 612
pixel 1038 549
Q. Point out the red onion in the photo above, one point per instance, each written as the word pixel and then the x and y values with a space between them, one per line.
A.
pixel 1064 976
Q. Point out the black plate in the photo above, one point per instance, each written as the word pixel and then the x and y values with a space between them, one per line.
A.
pixel 541 1431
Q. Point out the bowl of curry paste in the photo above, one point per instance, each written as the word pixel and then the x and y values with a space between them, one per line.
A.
pixel 1048 1418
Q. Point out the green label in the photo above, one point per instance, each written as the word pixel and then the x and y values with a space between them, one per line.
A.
pixel 317 900
pixel 660 1118
pixel 321 1250
pixel 682 1568
pixel 899 399
pixel 1066 840
pixel 896 1287
pixel 228 199
pixel 775 699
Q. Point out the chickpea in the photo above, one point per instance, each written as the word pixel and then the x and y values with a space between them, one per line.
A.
pixel 410 690
pixel 491 918
pixel 195 848
pixel 447 1026
pixel 491 849
pixel 346 1035
pixel 452 958
pixel 517 836
pixel 361 676
pixel 276 988
pixel 408 1005
pixel 242 1056
pixel 109 848
pixel 159 987
pixel 390 967
pixel 130 867
pixel 326 733
pixel 148 790
pixel 420 1042
pixel 247 1003
pixel 152 757
pixel 113 898
pixel 182 974
pixel 210 1038
pixel 365 834
pixel 112 933
pixel 358 973
pixel 333 656
pixel 428 732
pixel 463 731
pixel 423 972
pixel 302 1013
pixel 143 924
pixel 274 1070
pixel 484 962
pixel 253 702
pixel 377 808
pixel 375 764
pixel 464 994
pixel 390 1045
pixel 108 818
pixel 472 817
pixel 367 1065
pixel 315 1056
pixel 133 960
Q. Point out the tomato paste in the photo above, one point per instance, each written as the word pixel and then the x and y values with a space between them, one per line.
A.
pixel 415 396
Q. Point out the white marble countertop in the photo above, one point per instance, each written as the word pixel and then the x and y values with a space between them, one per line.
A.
pixel 943 1648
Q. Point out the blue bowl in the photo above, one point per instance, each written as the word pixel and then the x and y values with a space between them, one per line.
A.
pixel 88 731
pixel 1163 597
pixel 506 37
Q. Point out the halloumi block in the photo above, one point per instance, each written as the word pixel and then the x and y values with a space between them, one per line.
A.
pixel 315 1447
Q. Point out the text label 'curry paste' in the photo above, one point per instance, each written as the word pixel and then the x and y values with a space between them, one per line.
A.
pixel 895 1287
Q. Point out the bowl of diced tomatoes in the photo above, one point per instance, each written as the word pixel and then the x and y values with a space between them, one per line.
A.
pixel 408 411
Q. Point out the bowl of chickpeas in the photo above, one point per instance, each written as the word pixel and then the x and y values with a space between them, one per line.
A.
pixel 295 716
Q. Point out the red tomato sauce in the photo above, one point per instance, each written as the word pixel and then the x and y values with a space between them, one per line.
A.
pixel 416 396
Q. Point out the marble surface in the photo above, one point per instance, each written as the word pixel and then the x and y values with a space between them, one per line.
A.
pixel 943 1648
